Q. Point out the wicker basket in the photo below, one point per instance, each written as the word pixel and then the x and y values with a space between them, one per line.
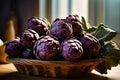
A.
pixel 55 68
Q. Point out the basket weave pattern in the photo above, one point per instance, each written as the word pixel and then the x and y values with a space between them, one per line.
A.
pixel 54 68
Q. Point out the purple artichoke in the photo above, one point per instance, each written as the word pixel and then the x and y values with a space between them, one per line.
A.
pixel 77 26
pixel 61 29
pixel 46 48
pixel 14 48
pixel 91 45
pixel 38 24
pixel 71 49
pixel 28 54
pixel 28 38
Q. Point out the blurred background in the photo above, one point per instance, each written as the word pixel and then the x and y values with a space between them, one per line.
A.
pixel 94 11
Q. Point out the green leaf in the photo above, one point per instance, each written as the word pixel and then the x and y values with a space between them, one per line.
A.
pixel 46 20
pixel 88 29
pixel 91 30
pixel 103 33
pixel 84 24
pixel 111 54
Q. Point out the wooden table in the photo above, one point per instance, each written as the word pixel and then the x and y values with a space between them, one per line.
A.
pixel 9 72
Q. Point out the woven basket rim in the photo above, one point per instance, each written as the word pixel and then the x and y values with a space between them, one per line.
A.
pixel 35 61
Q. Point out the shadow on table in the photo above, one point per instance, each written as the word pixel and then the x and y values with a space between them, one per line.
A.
pixel 18 76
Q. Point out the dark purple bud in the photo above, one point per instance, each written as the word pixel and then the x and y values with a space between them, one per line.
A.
pixel 61 29
pixel 28 38
pixel 71 49
pixel 38 24
pixel 46 48
pixel 14 48
pixel 28 54
pixel 77 26
pixel 91 45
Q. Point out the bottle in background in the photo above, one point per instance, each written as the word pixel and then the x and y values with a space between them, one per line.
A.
pixel 11 30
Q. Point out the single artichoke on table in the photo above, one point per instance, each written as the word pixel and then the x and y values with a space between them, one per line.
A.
pixel 46 48
pixel 71 49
